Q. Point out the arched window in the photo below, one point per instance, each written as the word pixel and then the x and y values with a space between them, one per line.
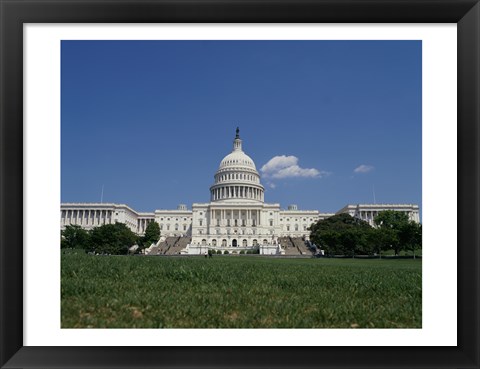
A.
pixel 255 242
pixel 176 227
pixel 265 242
pixel 214 242
pixel 296 227
pixel 161 227
pixel 224 242
pixel 244 243
pixel 204 242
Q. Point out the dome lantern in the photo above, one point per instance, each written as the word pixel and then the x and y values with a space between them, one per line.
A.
pixel 237 143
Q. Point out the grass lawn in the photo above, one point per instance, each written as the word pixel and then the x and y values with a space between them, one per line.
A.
pixel 239 292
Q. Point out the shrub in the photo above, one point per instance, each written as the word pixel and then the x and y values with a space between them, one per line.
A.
pixel 225 252
pixel 242 252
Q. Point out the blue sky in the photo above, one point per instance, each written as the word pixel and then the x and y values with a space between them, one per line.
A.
pixel 327 121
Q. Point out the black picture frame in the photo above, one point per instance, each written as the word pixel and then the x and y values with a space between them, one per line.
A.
pixel 14 13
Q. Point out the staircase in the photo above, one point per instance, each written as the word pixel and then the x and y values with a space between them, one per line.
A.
pixel 179 245
pixel 299 243
pixel 294 246
pixel 288 246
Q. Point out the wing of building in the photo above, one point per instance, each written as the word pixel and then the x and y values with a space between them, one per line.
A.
pixel 236 218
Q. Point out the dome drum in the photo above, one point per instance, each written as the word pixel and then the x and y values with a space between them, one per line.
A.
pixel 237 191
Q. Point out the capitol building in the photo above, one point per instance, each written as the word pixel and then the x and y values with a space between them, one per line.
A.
pixel 236 219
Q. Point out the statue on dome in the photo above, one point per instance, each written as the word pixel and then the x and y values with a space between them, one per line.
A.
pixel 237 135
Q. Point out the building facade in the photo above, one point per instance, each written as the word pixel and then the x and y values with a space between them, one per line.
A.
pixel 236 218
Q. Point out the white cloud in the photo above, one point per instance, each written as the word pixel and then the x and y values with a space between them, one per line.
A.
pixel 272 185
pixel 363 169
pixel 287 167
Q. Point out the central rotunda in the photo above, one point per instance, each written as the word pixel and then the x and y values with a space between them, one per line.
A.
pixel 237 217
pixel 237 178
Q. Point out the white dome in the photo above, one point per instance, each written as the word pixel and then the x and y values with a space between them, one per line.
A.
pixel 237 178
pixel 237 159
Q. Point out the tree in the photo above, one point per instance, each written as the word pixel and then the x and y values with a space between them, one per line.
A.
pixel 391 219
pixel 113 239
pixel 391 223
pixel 152 234
pixel 410 235
pixel 75 237
pixel 384 239
pixel 342 234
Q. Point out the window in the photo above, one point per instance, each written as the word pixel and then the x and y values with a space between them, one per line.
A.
pixel 255 242
pixel 288 227
pixel 184 227
pixel 271 223
pixel 235 222
pixel 244 243
pixel 200 222
pixel 204 242
pixel 176 227
pixel 224 242
pixel 214 242
pixel 296 227
pixel 168 227
pixel 265 242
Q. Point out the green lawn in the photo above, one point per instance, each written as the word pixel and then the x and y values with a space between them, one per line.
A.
pixel 239 292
